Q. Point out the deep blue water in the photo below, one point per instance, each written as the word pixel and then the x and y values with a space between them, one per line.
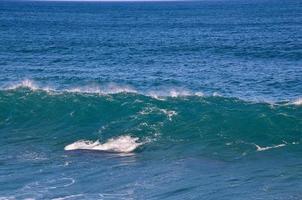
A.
pixel 151 100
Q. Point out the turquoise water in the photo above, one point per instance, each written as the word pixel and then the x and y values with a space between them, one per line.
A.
pixel 165 100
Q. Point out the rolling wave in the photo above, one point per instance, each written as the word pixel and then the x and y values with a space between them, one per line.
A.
pixel 113 88
pixel 125 119
pixel 110 88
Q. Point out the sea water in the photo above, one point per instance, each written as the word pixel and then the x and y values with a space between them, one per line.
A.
pixel 151 100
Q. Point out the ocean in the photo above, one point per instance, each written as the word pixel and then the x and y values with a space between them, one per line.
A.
pixel 151 100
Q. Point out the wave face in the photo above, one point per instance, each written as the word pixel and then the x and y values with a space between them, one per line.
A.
pixel 227 128
pixel 59 141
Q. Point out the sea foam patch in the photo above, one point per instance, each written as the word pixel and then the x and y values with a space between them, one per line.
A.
pixel 122 144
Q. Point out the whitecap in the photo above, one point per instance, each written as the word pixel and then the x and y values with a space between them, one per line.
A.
pixel 121 144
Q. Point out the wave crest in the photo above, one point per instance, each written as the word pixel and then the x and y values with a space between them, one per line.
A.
pixel 32 85
pixel 113 88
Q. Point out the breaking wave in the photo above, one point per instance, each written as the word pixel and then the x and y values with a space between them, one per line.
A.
pixel 112 88
pixel 121 119
pixel 106 89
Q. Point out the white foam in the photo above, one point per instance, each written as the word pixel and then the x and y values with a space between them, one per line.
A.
pixel 122 144
pixel 30 85
pixel 173 92
pixel 297 102
pixel 169 113
pixel 270 147
pixel 107 89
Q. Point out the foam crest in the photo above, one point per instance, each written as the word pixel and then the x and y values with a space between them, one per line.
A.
pixel 122 144
pixel 29 84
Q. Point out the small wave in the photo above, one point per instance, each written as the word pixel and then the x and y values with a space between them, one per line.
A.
pixel 270 147
pixel 122 144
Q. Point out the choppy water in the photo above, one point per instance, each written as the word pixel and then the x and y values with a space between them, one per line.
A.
pixel 174 100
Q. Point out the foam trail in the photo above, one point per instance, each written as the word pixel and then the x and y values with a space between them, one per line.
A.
pixel 122 144
pixel 267 148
